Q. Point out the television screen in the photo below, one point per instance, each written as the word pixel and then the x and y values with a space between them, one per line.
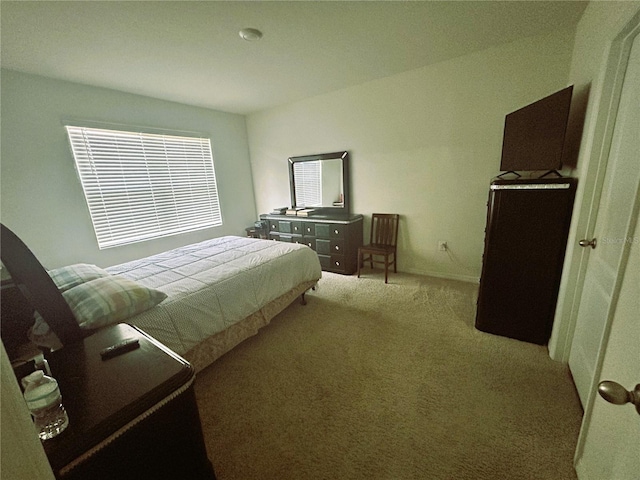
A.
pixel 534 135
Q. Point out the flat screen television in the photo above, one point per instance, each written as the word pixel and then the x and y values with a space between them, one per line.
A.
pixel 534 135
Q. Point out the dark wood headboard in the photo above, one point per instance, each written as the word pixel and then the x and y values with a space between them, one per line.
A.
pixel 38 287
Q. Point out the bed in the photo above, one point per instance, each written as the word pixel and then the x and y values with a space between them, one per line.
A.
pixel 200 300
pixel 220 291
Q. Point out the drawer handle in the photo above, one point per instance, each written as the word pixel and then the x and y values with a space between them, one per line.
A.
pixel 336 231
pixel 337 247
pixel 309 243
pixel 295 228
pixel 337 264
pixel 308 229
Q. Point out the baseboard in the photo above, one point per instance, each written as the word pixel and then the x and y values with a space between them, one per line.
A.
pixel 446 276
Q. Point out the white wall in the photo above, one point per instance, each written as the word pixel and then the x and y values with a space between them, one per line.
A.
pixel 424 144
pixel 41 196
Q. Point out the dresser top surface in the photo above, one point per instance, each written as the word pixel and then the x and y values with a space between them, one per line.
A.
pixel 344 218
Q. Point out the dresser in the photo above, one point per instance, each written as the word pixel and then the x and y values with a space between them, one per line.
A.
pixel 335 238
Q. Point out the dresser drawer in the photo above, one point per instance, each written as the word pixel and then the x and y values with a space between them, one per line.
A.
pixel 309 228
pixel 296 228
pixel 309 242
pixel 330 230
pixel 330 247
pixel 338 246
pixel 325 262
pixel 337 230
pixel 333 263
pixel 323 246
pixel 323 230
pixel 284 226
pixel 338 263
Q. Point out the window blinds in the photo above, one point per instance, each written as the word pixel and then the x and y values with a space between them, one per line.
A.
pixel 140 186
pixel 308 185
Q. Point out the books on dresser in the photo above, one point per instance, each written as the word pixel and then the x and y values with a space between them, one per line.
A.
pixel 305 212
pixel 299 211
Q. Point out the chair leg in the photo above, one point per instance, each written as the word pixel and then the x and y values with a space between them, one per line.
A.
pixel 386 268
pixel 359 261
pixel 395 264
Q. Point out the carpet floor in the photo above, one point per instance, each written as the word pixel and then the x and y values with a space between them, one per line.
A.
pixel 375 381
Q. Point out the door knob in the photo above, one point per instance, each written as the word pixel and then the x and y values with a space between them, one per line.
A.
pixel 588 243
pixel 615 393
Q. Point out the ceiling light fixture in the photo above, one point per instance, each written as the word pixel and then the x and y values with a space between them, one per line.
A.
pixel 250 34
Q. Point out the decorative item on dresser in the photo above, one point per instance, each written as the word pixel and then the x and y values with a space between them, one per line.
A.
pixel 335 238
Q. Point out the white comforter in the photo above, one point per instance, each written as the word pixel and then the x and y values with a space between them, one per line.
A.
pixel 214 284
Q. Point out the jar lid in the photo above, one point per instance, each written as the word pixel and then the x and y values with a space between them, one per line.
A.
pixel 33 377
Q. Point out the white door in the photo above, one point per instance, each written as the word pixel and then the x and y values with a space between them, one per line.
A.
pixel 609 446
pixel 607 340
pixel 618 203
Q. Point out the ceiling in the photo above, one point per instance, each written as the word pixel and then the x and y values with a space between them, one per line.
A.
pixel 191 52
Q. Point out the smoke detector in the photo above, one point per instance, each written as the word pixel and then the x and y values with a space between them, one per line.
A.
pixel 250 34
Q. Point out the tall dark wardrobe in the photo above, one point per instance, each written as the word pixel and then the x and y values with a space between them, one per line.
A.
pixel 525 240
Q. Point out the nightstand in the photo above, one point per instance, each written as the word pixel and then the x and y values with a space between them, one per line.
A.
pixel 254 232
pixel 133 416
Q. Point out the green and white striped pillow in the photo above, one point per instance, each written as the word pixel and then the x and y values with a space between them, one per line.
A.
pixel 71 276
pixel 110 299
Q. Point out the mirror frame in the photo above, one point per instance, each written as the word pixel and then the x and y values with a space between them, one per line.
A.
pixel 344 156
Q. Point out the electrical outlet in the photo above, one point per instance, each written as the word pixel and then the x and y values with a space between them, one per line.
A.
pixel 442 246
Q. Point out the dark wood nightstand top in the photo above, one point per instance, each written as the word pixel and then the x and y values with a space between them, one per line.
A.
pixel 102 396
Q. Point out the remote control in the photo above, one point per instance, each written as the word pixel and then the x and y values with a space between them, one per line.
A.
pixel 119 348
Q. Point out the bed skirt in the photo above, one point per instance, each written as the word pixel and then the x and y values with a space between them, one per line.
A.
pixel 209 350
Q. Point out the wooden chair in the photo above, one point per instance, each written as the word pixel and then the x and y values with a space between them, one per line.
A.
pixel 382 242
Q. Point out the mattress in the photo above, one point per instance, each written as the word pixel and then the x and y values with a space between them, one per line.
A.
pixel 215 284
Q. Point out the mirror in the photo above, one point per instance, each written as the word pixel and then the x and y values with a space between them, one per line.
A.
pixel 320 182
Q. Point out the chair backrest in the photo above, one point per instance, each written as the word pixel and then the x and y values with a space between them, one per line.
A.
pixel 29 274
pixel 384 229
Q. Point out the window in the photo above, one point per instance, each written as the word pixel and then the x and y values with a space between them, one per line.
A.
pixel 140 186
pixel 308 184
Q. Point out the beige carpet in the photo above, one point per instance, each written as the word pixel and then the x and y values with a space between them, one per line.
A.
pixel 375 381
